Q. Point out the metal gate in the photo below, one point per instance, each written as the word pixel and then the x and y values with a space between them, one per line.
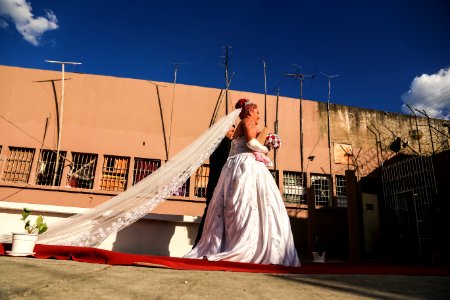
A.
pixel 409 190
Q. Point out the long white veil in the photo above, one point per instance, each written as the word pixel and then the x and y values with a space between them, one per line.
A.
pixel 92 227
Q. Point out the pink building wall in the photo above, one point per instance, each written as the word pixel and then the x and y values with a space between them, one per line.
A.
pixel 120 116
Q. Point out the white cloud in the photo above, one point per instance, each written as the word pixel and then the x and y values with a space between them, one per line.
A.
pixel 3 24
pixel 430 93
pixel 30 27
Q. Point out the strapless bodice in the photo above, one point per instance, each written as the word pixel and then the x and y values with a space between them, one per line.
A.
pixel 239 145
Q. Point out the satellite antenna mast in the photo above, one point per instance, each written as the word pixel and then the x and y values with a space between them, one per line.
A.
pixel 265 94
pixel 329 125
pixel 276 132
pixel 227 79
pixel 162 117
pixel 62 63
pixel 176 66
pixel 300 77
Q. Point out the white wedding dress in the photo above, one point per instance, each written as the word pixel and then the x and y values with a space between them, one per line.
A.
pixel 247 220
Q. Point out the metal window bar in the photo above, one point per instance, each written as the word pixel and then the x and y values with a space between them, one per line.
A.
pixel 183 190
pixel 82 173
pixel 45 169
pixel 341 191
pixel 321 185
pixel 114 173
pixel 201 181
pixel 18 165
pixel 144 167
pixel 294 187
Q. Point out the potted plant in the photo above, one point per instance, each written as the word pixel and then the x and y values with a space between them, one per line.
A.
pixel 23 242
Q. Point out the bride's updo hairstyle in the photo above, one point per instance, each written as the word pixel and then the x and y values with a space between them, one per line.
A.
pixel 246 106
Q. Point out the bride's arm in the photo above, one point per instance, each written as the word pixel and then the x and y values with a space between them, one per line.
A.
pixel 252 142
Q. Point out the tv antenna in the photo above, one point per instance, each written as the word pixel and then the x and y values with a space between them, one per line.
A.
pixel 300 77
pixel 60 117
pixel 226 65
pixel 176 66
pixel 265 93
pixel 328 116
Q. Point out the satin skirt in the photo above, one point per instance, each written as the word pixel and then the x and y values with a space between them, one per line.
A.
pixel 247 220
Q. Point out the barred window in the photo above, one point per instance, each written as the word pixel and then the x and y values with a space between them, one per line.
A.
pixel 183 190
pixel 321 185
pixel 82 173
pixel 144 167
pixel 294 187
pixel 201 181
pixel 114 173
pixel 18 165
pixel 45 170
pixel 341 191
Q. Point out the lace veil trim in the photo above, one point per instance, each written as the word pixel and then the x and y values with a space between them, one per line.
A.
pixel 92 227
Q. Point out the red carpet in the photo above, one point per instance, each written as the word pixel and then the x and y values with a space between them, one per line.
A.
pixel 93 255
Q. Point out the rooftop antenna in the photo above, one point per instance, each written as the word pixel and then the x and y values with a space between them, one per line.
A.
pixel 227 78
pixel 62 63
pixel 300 77
pixel 275 125
pixel 176 66
pixel 265 94
pixel 162 117
pixel 328 122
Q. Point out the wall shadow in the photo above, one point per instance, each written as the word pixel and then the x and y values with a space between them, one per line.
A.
pixel 145 237
pixel 375 286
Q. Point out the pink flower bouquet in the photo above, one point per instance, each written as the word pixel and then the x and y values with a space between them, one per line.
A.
pixel 273 141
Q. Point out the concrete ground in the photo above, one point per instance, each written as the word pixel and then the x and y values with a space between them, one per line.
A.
pixel 29 278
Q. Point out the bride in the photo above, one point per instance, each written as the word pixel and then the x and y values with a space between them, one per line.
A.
pixel 247 220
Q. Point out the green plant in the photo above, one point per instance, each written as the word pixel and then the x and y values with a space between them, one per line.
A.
pixel 39 225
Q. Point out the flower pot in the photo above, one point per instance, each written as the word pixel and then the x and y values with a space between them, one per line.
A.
pixel 23 243
pixel 319 258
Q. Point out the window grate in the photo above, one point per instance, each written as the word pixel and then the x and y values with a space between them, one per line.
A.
pixel 144 167
pixel 45 170
pixel 321 185
pixel 82 173
pixel 294 187
pixel 114 173
pixel 18 165
pixel 341 191
pixel 201 181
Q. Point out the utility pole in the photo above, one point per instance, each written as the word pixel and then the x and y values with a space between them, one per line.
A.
pixel 329 125
pixel 300 77
pixel 62 63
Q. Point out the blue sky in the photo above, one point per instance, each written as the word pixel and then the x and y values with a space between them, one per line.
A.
pixel 386 52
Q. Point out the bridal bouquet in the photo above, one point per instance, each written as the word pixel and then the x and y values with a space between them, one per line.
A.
pixel 273 141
